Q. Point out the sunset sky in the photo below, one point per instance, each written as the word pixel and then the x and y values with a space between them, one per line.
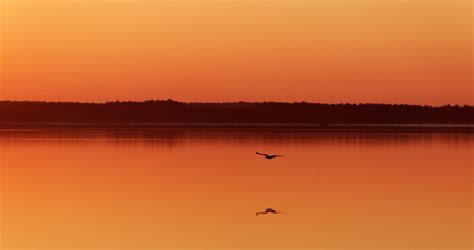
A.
pixel 391 51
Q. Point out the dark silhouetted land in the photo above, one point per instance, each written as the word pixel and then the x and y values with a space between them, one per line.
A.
pixel 168 112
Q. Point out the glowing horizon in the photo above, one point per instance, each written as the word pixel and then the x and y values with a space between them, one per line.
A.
pixel 416 52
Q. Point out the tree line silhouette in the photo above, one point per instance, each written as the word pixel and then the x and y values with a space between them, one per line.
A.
pixel 169 111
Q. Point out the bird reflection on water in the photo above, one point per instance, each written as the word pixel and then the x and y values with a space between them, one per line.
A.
pixel 268 211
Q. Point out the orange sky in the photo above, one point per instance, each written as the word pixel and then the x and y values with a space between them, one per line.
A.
pixel 392 51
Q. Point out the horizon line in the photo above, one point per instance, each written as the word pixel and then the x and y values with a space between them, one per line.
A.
pixel 235 102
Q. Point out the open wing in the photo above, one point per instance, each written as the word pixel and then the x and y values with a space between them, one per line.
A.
pixel 261 154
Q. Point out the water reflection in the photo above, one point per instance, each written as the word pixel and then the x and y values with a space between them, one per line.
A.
pixel 200 189
pixel 171 137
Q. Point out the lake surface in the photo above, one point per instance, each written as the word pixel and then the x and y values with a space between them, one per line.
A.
pixel 201 188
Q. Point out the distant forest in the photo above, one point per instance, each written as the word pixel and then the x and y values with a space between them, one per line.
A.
pixel 169 111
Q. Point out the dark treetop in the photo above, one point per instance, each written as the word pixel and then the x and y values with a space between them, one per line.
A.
pixel 169 111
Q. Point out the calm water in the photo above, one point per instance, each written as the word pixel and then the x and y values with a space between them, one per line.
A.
pixel 200 189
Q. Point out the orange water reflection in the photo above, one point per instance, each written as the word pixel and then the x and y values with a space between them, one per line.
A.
pixel 109 189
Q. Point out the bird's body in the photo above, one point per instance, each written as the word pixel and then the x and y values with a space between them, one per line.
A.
pixel 268 211
pixel 269 157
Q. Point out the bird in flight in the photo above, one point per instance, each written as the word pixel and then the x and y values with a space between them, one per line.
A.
pixel 269 157
pixel 269 211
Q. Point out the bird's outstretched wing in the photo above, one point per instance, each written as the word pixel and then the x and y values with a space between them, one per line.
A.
pixel 261 154
pixel 258 213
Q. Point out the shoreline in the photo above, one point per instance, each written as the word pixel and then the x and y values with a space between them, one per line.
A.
pixel 462 128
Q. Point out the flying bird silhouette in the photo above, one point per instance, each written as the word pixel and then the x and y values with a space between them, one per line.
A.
pixel 269 211
pixel 269 157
